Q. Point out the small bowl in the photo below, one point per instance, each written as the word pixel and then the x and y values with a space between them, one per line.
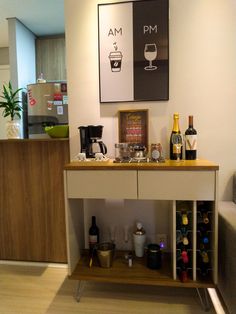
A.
pixel 57 131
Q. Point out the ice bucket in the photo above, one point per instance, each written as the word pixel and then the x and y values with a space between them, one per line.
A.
pixel 105 253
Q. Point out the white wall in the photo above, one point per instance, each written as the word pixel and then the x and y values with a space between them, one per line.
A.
pixel 4 79
pixel 202 80
pixel 22 54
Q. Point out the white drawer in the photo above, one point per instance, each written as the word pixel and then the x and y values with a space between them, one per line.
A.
pixel 176 185
pixel 102 184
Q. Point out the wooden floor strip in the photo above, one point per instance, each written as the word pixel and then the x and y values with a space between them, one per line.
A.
pixel 46 290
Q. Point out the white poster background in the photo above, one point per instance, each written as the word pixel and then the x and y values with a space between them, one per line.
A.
pixel 116 39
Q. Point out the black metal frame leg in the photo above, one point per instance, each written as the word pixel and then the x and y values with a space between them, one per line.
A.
pixel 79 289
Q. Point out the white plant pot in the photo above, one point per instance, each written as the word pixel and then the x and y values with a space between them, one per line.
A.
pixel 13 129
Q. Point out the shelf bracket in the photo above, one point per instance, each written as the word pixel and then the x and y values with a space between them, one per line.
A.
pixel 204 299
pixel 79 289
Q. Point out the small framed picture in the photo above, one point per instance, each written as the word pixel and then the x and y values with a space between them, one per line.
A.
pixel 133 126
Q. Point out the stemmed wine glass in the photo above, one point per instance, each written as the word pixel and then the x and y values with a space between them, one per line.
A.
pixel 150 54
pixel 177 141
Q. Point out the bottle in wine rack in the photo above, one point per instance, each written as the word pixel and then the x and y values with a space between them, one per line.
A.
pixel 203 234
pixel 184 219
pixel 190 141
pixel 185 257
pixel 205 263
pixel 185 240
pixel 183 274
pixel 184 236
pixel 205 218
pixel 93 234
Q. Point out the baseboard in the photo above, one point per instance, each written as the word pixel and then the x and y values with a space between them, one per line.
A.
pixel 37 264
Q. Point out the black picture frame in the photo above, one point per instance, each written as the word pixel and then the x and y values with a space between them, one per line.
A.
pixel 133 51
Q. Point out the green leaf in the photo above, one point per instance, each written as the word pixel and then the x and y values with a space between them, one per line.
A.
pixel 11 106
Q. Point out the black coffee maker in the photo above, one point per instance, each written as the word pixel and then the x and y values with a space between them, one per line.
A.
pixel 91 140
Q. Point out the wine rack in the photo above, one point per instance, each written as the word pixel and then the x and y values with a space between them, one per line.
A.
pixel 204 239
pixel 184 240
pixel 194 240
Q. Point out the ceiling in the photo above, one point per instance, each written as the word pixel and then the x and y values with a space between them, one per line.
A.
pixel 42 17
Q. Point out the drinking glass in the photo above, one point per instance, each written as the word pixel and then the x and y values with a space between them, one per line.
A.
pixel 150 54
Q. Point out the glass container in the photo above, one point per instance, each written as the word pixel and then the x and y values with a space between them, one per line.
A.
pixel 122 152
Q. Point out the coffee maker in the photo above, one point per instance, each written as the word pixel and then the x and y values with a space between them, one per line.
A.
pixel 91 140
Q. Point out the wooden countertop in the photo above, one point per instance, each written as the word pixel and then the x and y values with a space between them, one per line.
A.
pixel 23 140
pixel 187 165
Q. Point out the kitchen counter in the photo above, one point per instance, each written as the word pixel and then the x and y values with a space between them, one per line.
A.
pixel 190 165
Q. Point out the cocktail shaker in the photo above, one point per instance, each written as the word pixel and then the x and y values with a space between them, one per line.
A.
pixel 139 237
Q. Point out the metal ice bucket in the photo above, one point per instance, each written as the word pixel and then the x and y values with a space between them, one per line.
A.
pixel 105 253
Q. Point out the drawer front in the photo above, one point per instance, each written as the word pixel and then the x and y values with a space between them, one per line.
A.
pixel 176 185
pixel 102 184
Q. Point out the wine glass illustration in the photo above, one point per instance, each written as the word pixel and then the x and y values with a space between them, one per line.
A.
pixel 177 141
pixel 150 54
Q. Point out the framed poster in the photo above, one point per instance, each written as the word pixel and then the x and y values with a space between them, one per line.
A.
pixel 133 51
pixel 133 126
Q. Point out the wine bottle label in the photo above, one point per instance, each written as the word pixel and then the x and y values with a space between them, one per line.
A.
pixel 191 142
pixel 176 148
pixel 93 239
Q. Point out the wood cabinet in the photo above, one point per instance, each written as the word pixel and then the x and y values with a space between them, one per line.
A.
pixel 188 182
pixel 50 58
pixel 32 219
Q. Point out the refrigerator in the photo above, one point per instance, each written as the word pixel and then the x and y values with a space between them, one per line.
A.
pixel 47 105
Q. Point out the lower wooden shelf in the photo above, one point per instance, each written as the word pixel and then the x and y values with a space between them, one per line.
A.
pixel 139 273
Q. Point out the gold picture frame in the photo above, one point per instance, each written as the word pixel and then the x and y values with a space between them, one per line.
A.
pixel 133 126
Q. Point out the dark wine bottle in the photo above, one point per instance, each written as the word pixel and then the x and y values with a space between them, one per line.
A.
pixel 93 234
pixel 204 237
pixel 183 274
pixel 190 141
pixel 175 130
pixel 205 263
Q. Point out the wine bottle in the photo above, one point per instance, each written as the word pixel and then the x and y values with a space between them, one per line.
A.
pixel 190 141
pixel 93 234
pixel 204 237
pixel 205 218
pixel 175 130
pixel 185 257
pixel 184 218
pixel 183 274
pixel 205 263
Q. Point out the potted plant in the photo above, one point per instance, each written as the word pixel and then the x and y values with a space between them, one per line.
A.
pixel 11 105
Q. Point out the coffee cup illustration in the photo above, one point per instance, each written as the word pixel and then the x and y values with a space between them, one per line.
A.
pixel 115 61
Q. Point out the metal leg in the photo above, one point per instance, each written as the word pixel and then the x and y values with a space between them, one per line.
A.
pixel 79 289
pixel 204 299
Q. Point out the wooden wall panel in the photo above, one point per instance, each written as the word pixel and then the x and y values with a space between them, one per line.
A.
pixel 50 58
pixel 32 218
